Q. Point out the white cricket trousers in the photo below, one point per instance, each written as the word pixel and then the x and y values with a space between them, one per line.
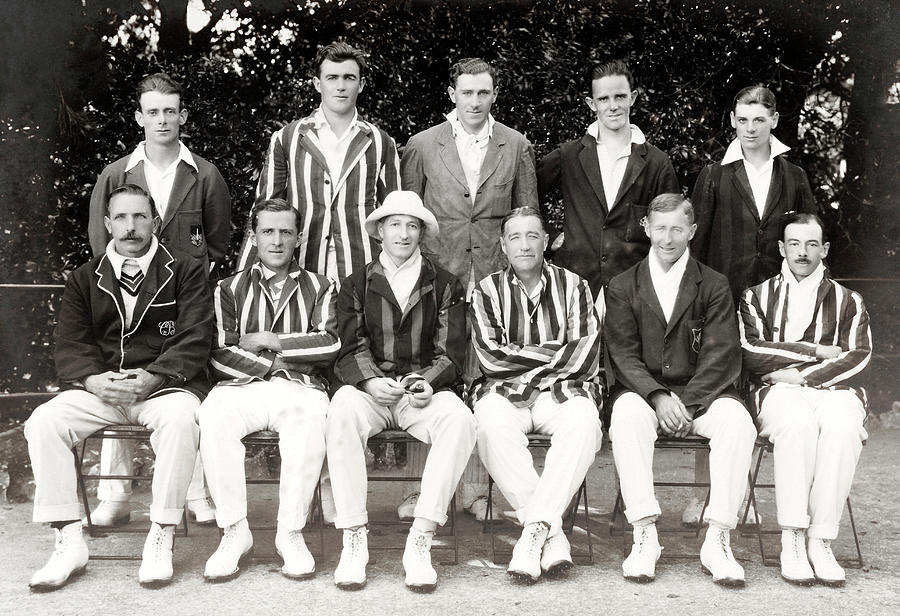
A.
pixel 354 416
pixel 575 437
pixel 818 436
pixel 731 433
pixel 293 410
pixel 117 458
pixel 56 426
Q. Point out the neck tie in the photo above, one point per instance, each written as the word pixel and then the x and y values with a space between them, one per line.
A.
pixel 131 278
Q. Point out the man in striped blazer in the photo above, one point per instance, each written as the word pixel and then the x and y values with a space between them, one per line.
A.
pixel 806 339
pixel 402 327
pixel 276 334
pixel 334 167
pixel 536 334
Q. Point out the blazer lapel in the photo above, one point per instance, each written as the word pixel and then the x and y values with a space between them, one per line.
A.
pixel 355 151
pixel 775 188
pixel 591 166
pixel 492 157
pixel 378 284
pixel 450 155
pixel 290 287
pixel 158 276
pixel 136 175
pixel 636 163
pixel 106 282
pixel 185 178
pixel 687 293
pixel 646 291
pixel 423 288
pixel 308 140
pixel 741 183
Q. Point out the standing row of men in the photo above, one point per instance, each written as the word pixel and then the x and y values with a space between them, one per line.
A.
pixel 395 329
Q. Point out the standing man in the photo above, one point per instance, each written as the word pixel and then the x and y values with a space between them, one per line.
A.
pixel 334 167
pixel 402 330
pixel 536 333
pixel 276 338
pixel 133 337
pixel 806 339
pixel 470 172
pixel 671 332
pixel 607 178
pixel 195 208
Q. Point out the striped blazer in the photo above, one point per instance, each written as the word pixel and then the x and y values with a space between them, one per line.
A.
pixel 525 348
pixel 304 319
pixel 379 339
pixel 839 319
pixel 332 209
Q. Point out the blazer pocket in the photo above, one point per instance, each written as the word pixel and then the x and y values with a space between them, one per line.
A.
pixel 634 230
pixel 189 233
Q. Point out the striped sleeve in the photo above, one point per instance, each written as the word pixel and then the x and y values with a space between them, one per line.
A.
pixel 228 360
pixel 389 176
pixel 355 362
pixel 498 356
pixel 761 354
pixel 854 338
pixel 320 344
pixel 448 346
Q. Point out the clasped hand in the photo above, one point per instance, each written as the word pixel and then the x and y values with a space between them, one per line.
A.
pixel 123 387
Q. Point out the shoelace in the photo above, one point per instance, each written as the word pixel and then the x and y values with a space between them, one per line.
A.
pixel 61 542
pixel 295 538
pixel 797 545
pixel 420 545
pixel 158 544
pixel 228 538
pixel 536 541
pixel 354 543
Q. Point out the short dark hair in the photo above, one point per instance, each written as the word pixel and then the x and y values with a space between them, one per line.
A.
pixel 669 202
pixel 608 69
pixel 473 66
pixel 761 95
pixel 133 189
pixel 159 82
pixel 273 205
pixel 801 218
pixel 523 212
pixel 340 52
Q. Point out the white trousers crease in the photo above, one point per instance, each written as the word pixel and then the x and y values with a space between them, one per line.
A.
pixel 731 433
pixel 54 427
pixel 818 436
pixel 354 416
pixel 575 437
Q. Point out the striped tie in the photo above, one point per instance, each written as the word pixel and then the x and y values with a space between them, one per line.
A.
pixel 131 278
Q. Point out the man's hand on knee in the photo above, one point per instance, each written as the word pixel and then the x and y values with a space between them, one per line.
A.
pixel 385 391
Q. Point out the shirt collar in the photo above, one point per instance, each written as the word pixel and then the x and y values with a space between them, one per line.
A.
pixel 487 131
pixel 391 270
pixel 515 280
pixel 320 121
pixel 140 155
pixel 117 260
pixel 265 273
pixel 678 268
pixel 637 136
pixel 735 153
pixel 812 280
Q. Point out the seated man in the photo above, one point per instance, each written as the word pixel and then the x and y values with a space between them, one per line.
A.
pixel 402 327
pixel 276 335
pixel 805 339
pixel 536 334
pixel 133 336
pixel 671 332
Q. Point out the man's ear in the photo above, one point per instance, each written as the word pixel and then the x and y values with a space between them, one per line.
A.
pixel 733 122
pixel 781 248
pixel 157 223
pixel 107 224
pixel 775 117
pixel 825 248
pixel 317 83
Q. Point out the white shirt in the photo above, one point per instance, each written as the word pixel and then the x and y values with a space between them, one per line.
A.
pixel 403 277
pixel 334 147
pixel 471 149
pixel 801 300
pixel 760 177
pixel 612 166
pixel 666 283
pixel 160 181
pixel 117 261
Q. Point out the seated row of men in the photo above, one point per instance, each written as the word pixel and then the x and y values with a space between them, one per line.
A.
pixel 137 327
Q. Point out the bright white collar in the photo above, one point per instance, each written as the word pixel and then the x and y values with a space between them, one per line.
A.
pixel 486 131
pixel 813 279
pixel 320 121
pixel 413 262
pixel 735 152
pixel 117 260
pixel 678 268
pixel 637 136
pixel 140 155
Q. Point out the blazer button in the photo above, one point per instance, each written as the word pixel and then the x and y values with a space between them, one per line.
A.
pixel 603 258
pixel 327 181
pixel 667 366
pixel 473 219
pixel 466 195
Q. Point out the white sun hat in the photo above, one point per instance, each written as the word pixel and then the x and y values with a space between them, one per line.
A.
pixel 404 202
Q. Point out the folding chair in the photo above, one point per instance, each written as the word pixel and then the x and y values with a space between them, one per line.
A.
pixel 501 555
pixel 764 446
pixel 116 432
pixel 445 539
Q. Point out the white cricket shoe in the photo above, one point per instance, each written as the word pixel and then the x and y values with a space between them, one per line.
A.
pixel 236 544
pixel 640 566
pixel 717 559
pixel 350 573
pixel 69 559
pixel 525 564
pixel 420 574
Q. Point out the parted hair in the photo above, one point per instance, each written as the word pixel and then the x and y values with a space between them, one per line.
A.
pixel 761 95
pixel 523 212
pixel 669 202
pixel 473 66
pixel 133 189
pixel 340 52
pixel 159 82
pixel 608 69
pixel 273 205
pixel 801 218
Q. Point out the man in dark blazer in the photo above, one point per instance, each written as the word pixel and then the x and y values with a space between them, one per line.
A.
pixel 740 200
pixel 607 178
pixel 195 209
pixel 134 334
pixel 672 335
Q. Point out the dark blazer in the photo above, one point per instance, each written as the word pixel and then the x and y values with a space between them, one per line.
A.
pixel 600 241
pixel 379 339
pixel 171 333
pixel 469 232
pixel 697 355
pixel 199 201
pixel 731 237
